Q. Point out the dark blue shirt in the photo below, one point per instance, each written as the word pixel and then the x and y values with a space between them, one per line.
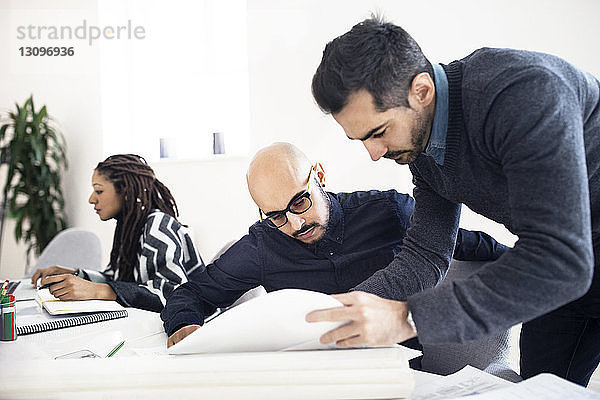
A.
pixel 364 233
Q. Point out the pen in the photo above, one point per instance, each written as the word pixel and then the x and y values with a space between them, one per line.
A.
pixel 47 285
pixel 3 290
pixel 117 348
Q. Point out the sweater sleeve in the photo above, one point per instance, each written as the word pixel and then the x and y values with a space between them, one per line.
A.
pixel 426 253
pixel 167 259
pixel 535 130
pixel 235 272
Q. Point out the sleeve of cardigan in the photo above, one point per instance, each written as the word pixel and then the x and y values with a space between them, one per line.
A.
pixel 167 258
pixel 426 252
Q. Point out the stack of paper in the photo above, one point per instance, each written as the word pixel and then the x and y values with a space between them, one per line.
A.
pixel 324 374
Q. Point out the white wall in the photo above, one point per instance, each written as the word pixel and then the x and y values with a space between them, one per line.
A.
pixel 287 40
pixel 285 43
pixel 74 99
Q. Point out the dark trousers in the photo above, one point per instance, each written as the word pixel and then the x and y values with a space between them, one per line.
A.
pixel 566 341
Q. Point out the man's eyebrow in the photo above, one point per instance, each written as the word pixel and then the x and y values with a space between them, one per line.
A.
pixel 97 184
pixel 294 198
pixel 369 134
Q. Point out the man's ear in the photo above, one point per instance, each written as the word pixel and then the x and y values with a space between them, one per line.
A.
pixel 422 91
pixel 320 173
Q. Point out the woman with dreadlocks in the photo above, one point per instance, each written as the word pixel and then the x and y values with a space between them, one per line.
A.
pixel 152 252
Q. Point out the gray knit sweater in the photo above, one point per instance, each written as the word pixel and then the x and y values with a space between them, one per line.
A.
pixel 523 149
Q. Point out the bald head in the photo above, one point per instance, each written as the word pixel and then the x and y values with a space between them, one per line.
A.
pixel 277 179
pixel 274 168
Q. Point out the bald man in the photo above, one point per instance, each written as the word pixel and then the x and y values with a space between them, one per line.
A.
pixel 307 238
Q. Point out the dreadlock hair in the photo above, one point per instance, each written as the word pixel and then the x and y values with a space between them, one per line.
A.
pixel 140 193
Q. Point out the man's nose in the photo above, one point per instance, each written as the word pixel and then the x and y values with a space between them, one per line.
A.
pixel 91 200
pixel 376 150
pixel 295 221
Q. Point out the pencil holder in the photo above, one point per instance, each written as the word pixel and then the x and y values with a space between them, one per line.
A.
pixel 8 318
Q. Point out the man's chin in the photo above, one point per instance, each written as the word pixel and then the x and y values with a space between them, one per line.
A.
pixel 406 158
pixel 316 234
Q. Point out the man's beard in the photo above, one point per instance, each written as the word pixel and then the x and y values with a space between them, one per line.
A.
pixel 417 142
pixel 317 225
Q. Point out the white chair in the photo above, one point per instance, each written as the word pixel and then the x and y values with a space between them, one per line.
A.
pixel 73 248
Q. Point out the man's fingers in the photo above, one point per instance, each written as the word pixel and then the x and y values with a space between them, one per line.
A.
pixel 329 314
pixel 347 299
pixel 340 334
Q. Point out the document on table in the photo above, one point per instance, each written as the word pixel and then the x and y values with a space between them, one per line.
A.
pixel 468 381
pixel 478 385
pixel 540 387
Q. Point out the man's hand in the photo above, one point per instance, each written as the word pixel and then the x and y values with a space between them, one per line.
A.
pixel 70 287
pixel 373 321
pixel 180 334
pixel 42 273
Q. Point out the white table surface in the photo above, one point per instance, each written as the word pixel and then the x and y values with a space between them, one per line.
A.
pixel 142 331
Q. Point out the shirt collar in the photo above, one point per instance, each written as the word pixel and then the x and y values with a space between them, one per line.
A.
pixel 335 225
pixel 437 140
pixel 334 234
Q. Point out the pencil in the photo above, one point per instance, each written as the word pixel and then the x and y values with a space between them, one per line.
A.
pixel 117 348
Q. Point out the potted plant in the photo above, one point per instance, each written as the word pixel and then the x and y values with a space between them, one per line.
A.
pixel 35 153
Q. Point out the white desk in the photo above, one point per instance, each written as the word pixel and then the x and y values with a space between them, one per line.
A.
pixel 140 329
pixel 142 369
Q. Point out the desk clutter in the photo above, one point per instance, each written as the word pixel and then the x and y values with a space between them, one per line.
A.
pixel 51 314
pixel 7 313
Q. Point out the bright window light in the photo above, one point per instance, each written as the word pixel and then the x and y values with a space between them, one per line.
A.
pixel 168 94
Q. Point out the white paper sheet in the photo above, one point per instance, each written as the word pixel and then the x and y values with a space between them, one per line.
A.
pixel 466 382
pixel 540 387
pixel 271 322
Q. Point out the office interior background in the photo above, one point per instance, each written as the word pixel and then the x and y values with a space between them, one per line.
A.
pixel 241 68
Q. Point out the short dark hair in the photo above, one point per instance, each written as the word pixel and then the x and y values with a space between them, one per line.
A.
pixel 374 55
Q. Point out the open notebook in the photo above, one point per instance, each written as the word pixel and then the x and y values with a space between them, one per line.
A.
pixel 56 306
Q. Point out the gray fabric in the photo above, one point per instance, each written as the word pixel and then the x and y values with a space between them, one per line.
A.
pixel 522 129
pixel 490 354
pixel 73 248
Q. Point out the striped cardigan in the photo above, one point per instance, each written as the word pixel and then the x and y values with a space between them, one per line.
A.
pixel 168 258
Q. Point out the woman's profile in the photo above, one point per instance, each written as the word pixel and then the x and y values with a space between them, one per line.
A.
pixel 152 252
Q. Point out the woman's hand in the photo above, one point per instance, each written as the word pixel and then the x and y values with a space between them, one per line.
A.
pixel 42 273
pixel 70 287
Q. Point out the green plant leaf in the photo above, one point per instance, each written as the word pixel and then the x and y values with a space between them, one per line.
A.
pixel 36 153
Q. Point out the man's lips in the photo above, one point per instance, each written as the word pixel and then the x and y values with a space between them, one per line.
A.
pixel 306 233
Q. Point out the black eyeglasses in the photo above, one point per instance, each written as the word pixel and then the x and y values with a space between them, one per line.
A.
pixel 297 205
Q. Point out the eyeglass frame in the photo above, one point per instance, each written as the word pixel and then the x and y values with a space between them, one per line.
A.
pixel 307 193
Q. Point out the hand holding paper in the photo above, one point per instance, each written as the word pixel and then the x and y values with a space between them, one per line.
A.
pixel 374 321
pixel 275 321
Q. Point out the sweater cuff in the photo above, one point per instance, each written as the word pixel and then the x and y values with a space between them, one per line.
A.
pixel 183 318
pixel 434 325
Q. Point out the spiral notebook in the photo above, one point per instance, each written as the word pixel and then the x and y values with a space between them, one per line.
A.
pixel 32 319
pixel 43 324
